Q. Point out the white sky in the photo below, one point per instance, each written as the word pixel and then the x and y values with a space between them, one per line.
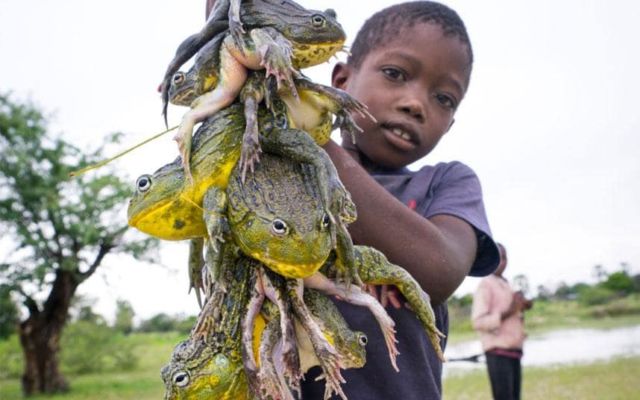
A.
pixel 550 122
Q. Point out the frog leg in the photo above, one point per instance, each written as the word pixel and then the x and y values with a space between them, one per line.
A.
pixel 288 347
pixel 251 95
pixel 252 309
pixel 357 296
pixel 232 76
pixel 235 24
pixel 275 53
pixel 214 203
pixel 375 269
pixel 330 361
pixel 196 262
pixel 271 378
pixel 338 102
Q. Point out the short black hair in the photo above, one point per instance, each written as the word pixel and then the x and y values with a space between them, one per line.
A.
pixel 387 24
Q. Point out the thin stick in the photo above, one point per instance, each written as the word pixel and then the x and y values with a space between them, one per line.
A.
pixel 108 160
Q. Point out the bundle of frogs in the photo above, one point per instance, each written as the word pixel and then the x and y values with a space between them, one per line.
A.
pixel 264 210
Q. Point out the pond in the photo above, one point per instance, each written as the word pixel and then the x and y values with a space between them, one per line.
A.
pixel 559 347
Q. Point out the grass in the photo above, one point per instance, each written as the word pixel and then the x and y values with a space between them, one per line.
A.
pixel 616 379
pixel 612 380
pixel 144 383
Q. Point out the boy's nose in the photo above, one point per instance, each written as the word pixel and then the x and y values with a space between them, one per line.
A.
pixel 414 108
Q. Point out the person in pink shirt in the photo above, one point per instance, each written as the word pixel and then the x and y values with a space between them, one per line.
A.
pixel 498 316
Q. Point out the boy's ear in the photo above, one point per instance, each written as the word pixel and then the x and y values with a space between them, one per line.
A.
pixel 340 75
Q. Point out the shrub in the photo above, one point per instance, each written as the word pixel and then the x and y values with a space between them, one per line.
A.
pixel 595 295
pixel 11 361
pixel 94 347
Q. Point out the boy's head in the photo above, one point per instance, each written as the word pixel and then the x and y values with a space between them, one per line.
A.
pixel 410 64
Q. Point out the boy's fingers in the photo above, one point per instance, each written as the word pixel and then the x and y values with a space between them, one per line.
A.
pixel 393 296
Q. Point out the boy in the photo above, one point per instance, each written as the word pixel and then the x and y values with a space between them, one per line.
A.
pixel 410 64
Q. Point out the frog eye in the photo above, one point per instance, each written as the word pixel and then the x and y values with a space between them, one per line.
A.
pixel 178 78
pixel 318 20
pixel 281 120
pixel 279 227
pixel 362 339
pixel 326 220
pixel 181 378
pixel 143 183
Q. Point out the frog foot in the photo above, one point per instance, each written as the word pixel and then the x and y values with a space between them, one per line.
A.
pixel 279 66
pixel 183 138
pixel 250 152
pixel 330 360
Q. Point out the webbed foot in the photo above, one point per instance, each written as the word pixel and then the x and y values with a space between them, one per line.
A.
pixel 250 151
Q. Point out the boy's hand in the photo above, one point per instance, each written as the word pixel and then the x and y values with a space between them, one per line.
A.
pixel 388 295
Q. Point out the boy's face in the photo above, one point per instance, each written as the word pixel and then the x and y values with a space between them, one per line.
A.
pixel 412 85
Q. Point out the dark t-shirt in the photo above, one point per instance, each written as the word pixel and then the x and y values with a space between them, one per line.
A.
pixel 446 188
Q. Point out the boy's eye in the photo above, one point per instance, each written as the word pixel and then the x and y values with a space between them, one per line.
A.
pixel 394 74
pixel 446 101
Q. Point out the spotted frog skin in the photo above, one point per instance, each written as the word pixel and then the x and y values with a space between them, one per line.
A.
pixel 280 46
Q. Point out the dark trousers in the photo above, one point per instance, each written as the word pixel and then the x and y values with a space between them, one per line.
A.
pixel 505 375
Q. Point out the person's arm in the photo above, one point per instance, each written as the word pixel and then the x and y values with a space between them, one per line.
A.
pixel 483 317
pixel 438 252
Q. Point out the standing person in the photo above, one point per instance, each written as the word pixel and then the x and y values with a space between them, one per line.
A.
pixel 410 64
pixel 497 315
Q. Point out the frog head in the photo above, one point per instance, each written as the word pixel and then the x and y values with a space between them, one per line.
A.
pixel 182 89
pixel 197 371
pixel 158 209
pixel 315 35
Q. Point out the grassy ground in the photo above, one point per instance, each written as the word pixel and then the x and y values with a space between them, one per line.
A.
pixel 612 380
pixel 143 383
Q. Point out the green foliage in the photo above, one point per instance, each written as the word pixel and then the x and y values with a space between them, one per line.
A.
pixel 595 295
pixel 94 347
pixel 11 363
pixel 55 222
pixel 165 323
pixel 124 317
pixel 619 282
pixel 8 313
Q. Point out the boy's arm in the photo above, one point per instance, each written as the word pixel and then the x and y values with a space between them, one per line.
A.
pixel 438 251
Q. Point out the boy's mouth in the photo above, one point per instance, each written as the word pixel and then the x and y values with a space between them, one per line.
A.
pixel 399 136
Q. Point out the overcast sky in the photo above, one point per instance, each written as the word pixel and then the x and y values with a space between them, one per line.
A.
pixel 550 122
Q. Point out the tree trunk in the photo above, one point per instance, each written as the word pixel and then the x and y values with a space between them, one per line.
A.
pixel 40 339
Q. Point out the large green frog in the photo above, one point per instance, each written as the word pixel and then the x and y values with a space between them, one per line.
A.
pixel 280 46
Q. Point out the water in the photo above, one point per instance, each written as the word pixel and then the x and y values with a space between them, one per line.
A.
pixel 559 347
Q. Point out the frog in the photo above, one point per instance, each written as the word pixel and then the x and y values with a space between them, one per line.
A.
pixel 374 268
pixel 280 46
pixel 311 111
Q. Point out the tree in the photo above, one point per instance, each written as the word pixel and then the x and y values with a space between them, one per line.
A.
pixel 124 317
pixel 60 229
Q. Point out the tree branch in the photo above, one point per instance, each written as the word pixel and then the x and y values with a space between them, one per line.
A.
pixel 29 302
